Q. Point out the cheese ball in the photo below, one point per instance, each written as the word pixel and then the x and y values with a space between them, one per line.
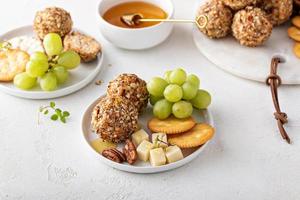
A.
pixel 251 27
pixel 86 46
pixel 239 4
pixel 131 87
pixel 278 11
pixel 52 20
pixel 219 19
pixel 114 119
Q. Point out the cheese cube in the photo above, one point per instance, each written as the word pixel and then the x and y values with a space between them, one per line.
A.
pixel 160 140
pixel 157 157
pixel 143 150
pixel 139 136
pixel 173 154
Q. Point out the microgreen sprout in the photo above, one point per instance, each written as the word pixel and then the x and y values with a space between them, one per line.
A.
pixel 56 113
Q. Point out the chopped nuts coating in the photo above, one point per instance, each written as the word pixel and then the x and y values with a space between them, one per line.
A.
pixel 131 87
pixel 219 19
pixel 86 46
pixel 278 11
pixel 239 4
pixel 52 20
pixel 115 119
pixel 251 26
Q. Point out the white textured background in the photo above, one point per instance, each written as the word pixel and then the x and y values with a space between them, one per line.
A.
pixel 246 160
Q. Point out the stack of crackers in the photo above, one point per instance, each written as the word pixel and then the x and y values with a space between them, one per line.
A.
pixel 294 33
pixel 185 133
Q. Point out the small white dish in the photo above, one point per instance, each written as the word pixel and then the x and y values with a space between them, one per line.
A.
pixel 140 166
pixel 79 77
pixel 140 38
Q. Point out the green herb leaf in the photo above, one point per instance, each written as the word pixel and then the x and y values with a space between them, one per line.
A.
pixel 41 109
pixel 52 104
pixel 66 114
pixel 46 112
pixel 63 120
pixel 54 117
pixel 57 110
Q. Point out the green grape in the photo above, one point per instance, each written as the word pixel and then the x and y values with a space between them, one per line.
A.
pixel 202 99
pixel 192 78
pixel 156 86
pixel 167 75
pixel 36 68
pixel 162 109
pixel 69 59
pixel 154 99
pixel 53 44
pixel 61 74
pixel 24 81
pixel 173 93
pixel 178 76
pixel 189 91
pixel 41 56
pixel 48 82
pixel 182 109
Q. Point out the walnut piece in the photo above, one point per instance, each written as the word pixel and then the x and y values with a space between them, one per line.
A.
pixel 130 152
pixel 114 155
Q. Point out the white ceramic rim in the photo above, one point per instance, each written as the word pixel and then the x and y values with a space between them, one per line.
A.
pixel 146 169
pixel 170 15
pixel 57 93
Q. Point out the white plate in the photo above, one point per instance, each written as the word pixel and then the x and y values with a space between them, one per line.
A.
pixel 79 77
pixel 140 166
pixel 251 63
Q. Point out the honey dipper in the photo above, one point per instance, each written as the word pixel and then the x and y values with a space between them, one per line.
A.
pixel 137 18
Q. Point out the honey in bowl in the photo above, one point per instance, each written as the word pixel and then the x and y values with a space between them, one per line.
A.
pixel 148 10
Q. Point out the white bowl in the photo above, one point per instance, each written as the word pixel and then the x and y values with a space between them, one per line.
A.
pixel 139 38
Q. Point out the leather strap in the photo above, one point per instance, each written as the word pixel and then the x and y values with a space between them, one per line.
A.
pixel 274 81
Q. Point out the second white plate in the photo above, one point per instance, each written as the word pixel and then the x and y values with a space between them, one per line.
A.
pixel 141 167
pixel 79 77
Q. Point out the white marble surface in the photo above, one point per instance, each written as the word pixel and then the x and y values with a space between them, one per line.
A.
pixel 246 160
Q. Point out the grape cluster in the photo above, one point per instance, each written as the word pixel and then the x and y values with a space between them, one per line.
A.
pixel 48 69
pixel 177 93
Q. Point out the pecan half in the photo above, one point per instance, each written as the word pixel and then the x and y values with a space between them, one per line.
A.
pixel 130 152
pixel 114 155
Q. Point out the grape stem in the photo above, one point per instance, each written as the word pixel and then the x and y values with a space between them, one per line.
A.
pixel 42 109
pixel 52 62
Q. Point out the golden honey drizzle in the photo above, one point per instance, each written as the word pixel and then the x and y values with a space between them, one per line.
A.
pixel 148 10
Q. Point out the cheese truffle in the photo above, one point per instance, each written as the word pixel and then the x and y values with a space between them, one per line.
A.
pixel 52 20
pixel 86 46
pixel 114 119
pixel 131 87
pixel 278 11
pixel 219 19
pixel 251 27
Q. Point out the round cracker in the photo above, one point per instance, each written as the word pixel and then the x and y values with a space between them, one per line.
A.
pixel 195 137
pixel 12 62
pixel 171 125
pixel 296 21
